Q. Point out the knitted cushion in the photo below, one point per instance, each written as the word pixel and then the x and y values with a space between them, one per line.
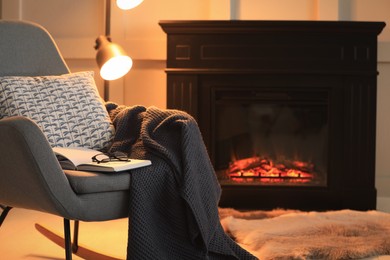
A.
pixel 67 108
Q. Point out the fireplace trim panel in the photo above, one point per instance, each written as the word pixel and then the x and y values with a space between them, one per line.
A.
pixel 337 57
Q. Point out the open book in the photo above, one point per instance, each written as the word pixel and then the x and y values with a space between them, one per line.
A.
pixel 75 158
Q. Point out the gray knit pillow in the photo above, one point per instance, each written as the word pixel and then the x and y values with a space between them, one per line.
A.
pixel 67 108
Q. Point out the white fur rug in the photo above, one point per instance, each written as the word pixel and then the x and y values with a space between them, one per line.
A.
pixel 281 234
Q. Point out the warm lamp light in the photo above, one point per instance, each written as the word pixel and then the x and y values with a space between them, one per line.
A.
pixel 128 4
pixel 111 59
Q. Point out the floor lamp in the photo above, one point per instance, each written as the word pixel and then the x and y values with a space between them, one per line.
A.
pixel 112 60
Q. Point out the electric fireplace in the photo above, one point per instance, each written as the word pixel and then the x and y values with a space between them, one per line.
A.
pixel 287 109
pixel 269 136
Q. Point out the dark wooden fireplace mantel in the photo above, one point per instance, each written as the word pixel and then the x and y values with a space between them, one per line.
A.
pixel 336 57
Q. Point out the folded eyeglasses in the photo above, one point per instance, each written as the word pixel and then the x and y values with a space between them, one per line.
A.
pixel 104 158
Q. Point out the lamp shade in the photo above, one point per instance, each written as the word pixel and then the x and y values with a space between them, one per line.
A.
pixel 128 4
pixel 111 59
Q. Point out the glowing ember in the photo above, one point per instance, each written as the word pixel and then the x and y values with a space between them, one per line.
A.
pixel 264 170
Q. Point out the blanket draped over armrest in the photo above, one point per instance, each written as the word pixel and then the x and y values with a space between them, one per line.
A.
pixel 173 208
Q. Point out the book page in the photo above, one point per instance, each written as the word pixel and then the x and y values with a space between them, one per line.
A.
pixel 81 158
pixel 77 155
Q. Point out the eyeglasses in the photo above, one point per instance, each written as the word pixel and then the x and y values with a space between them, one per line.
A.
pixel 116 156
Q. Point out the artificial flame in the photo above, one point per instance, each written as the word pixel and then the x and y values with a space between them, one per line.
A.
pixel 265 171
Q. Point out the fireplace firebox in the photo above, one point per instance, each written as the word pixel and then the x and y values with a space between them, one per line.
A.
pixel 287 109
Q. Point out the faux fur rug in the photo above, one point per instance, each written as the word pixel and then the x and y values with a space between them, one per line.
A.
pixel 287 234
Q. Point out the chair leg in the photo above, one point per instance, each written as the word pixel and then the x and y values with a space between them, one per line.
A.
pixel 68 242
pixel 4 214
pixel 71 247
pixel 65 242
pixel 75 244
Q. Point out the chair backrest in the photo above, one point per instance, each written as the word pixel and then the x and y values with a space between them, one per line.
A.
pixel 30 176
pixel 27 49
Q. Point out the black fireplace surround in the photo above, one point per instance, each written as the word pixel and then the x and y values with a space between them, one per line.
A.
pixel 320 77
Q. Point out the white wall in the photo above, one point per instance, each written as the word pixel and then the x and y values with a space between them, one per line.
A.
pixel 75 24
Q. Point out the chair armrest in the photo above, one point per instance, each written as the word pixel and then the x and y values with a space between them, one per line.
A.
pixel 30 175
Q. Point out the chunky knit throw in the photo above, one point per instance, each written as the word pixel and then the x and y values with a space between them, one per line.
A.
pixel 173 209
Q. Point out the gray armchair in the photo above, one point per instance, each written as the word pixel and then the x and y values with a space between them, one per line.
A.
pixel 30 175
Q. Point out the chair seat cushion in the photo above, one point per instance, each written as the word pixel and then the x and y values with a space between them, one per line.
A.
pixel 94 182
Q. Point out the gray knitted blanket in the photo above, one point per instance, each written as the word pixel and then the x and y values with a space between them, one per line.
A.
pixel 173 210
